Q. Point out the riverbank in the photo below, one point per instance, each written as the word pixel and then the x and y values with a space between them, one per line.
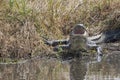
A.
pixel 24 23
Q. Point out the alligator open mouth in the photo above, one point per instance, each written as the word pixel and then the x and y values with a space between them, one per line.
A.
pixel 79 30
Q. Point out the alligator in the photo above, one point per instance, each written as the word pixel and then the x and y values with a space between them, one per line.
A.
pixel 79 40
pixel 107 36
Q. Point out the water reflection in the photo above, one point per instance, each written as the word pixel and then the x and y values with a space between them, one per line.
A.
pixel 72 69
pixel 108 69
pixel 78 69
pixel 102 71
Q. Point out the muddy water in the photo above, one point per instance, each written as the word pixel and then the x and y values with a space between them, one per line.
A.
pixel 54 69
pixel 102 72
pixel 107 69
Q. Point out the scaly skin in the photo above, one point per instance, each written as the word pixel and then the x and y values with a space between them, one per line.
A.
pixel 77 43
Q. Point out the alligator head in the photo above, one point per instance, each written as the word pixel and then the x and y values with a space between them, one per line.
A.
pixel 79 30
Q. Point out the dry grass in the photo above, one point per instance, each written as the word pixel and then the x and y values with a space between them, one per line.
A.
pixel 19 41
pixel 23 23
pixel 58 16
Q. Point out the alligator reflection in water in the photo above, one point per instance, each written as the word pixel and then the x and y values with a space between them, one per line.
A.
pixel 53 69
pixel 78 69
pixel 108 69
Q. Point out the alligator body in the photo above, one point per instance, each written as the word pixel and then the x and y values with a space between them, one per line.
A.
pixel 107 36
pixel 76 42
pixel 79 40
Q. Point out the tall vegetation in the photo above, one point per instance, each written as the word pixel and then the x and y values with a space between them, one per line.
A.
pixel 24 23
